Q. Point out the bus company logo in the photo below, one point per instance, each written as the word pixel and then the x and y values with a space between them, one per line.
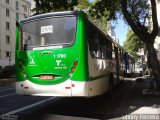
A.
pixel 32 61
pixel 46 29
pixel 58 62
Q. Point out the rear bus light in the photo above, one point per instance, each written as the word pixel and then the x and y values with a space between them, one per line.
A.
pixel 75 63
pixel 73 69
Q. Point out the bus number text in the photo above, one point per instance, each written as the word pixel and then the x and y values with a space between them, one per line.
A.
pixel 60 56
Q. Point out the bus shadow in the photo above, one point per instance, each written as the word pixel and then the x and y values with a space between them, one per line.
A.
pixel 126 99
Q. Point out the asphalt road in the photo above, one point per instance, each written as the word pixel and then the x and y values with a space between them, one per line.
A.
pixel 126 98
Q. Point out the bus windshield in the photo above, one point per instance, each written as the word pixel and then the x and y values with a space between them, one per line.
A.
pixel 49 31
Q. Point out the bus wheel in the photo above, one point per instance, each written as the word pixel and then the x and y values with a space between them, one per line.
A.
pixel 111 79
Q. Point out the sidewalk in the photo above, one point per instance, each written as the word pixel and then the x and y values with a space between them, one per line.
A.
pixel 149 102
pixel 7 81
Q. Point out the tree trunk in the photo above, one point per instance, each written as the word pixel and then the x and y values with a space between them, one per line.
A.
pixel 154 63
pixel 37 7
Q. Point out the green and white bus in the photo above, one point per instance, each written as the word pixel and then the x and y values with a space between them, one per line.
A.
pixel 65 54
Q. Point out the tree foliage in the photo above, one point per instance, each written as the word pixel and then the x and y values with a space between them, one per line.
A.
pixel 83 4
pixel 135 13
pixel 132 44
pixel 44 6
pixel 107 8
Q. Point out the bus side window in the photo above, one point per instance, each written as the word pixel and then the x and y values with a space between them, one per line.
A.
pixel 104 51
pixel 93 42
pixel 98 45
pixel 104 47
pixel 113 52
pixel 108 49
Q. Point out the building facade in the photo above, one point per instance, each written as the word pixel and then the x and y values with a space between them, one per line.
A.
pixel 10 12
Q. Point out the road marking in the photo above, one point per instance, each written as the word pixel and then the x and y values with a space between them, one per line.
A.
pixel 7 95
pixel 6 89
pixel 29 106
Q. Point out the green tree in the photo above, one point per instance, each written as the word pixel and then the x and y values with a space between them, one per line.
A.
pixel 83 4
pixel 132 44
pixel 44 6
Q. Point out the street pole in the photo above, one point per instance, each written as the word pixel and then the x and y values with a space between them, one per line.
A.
pixel 142 66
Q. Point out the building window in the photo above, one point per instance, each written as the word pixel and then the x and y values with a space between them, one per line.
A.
pixel 7 12
pixel 7 39
pixel 7 1
pixel 8 54
pixel 7 25
pixel 17 5
pixel 17 16
pixel 25 8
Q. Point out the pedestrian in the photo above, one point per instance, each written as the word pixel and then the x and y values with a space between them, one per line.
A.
pixel 152 81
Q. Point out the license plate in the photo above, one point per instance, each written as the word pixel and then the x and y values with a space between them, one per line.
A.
pixel 46 77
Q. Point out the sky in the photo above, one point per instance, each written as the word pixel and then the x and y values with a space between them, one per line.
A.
pixel 120 29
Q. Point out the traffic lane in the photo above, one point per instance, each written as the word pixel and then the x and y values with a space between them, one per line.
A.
pixel 35 114
pixel 13 102
pixel 5 88
pixel 102 107
pixel 7 91
pixel 24 113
